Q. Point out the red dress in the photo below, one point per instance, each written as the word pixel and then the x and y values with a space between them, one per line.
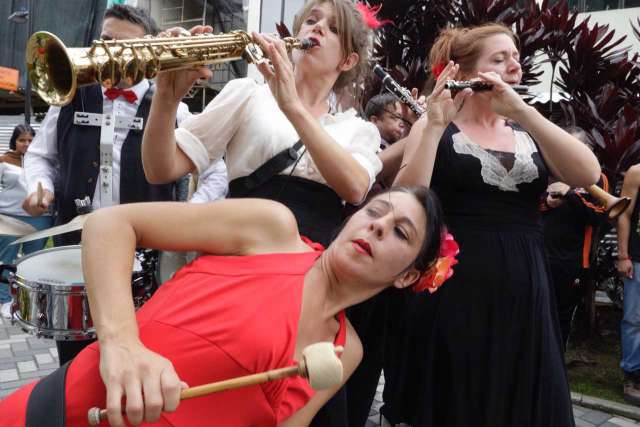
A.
pixel 220 317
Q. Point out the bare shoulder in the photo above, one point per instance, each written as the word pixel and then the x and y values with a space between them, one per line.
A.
pixel 633 174
pixel 267 223
pixel 353 352
pixel 275 216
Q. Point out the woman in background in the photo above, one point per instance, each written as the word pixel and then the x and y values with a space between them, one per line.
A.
pixel 13 191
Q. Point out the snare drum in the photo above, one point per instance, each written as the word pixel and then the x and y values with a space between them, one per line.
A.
pixel 49 295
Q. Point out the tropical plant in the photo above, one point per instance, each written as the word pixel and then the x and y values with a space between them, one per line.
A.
pixel 600 80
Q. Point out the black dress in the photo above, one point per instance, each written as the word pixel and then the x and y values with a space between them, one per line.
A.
pixel 485 349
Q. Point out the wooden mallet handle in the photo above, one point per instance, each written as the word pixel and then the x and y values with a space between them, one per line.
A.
pixel 97 415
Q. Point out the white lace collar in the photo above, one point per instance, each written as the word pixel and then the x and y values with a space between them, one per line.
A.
pixel 493 172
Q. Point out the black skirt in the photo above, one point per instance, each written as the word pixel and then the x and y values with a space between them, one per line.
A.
pixel 484 350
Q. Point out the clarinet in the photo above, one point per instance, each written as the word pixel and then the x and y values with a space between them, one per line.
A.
pixel 401 93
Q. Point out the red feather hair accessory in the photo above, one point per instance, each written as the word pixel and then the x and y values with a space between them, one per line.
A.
pixel 369 15
pixel 437 69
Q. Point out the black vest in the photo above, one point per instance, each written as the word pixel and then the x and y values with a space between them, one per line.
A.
pixel 79 157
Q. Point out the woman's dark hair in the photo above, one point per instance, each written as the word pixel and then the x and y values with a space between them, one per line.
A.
pixel 430 250
pixel 135 15
pixel 17 131
pixel 435 228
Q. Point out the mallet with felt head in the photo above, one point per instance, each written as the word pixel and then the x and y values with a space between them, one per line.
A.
pixel 320 365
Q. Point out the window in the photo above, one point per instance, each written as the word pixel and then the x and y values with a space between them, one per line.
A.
pixel 597 5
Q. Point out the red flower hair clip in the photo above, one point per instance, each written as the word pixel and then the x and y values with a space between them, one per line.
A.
pixel 369 15
pixel 442 269
pixel 437 69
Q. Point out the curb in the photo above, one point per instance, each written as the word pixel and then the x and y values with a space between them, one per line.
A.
pixel 590 402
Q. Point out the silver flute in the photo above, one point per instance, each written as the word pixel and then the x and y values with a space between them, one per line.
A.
pixel 478 86
pixel 401 93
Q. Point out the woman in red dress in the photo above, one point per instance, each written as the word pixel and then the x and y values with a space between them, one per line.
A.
pixel 254 306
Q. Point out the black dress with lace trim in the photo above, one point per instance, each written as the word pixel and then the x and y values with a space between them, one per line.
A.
pixel 485 349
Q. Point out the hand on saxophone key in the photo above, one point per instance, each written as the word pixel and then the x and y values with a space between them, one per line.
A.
pixel 173 85
pixel 278 71
pixel 180 31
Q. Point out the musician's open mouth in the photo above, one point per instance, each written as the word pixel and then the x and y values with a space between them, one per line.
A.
pixel 316 42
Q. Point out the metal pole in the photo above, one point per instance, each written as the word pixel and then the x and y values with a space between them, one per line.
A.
pixel 27 88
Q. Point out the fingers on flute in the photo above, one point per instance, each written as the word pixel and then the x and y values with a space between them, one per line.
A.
pixel 491 77
pixel 460 97
pixel 448 73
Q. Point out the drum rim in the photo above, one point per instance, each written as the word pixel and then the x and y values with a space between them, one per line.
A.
pixel 51 288
pixel 58 334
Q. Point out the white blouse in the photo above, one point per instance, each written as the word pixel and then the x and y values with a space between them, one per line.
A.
pixel 13 189
pixel 244 123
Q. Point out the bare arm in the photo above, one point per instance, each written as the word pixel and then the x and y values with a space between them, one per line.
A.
pixel 162 159
pixel 350 358
pixel 420 154
pixel 629 189
pixel 570 160
pixel 422 142
pixel 41 164
pixel 110 237
pixel 391 159
pixel 337 166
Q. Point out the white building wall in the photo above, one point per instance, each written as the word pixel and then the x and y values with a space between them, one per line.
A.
pixel 618 20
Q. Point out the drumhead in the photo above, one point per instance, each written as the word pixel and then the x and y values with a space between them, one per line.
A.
pixel 56 266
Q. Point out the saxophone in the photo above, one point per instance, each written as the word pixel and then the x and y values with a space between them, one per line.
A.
pixel 57 71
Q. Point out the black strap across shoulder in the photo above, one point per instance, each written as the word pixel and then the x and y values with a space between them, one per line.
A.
pixel 46 404
pixel 242 187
